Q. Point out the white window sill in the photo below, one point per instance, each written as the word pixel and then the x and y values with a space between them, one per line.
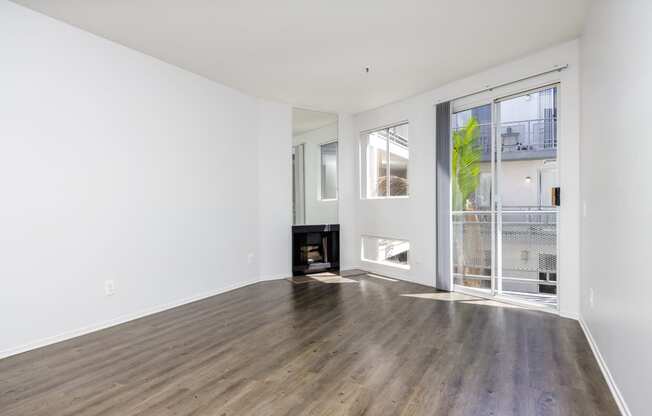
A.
pixel 380 198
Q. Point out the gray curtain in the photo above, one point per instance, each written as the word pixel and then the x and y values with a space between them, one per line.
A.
pixel 443 142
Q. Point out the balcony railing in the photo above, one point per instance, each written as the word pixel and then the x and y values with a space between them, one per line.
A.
pixel 529 135
pixel 528 237
pixel 521 137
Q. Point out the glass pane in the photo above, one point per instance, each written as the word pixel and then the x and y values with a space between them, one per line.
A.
pixel 329 171
pixel 526 175
pixel 374 146
pixel 399 156
pixel 471 159
pixel 528 126
pixel 472 250
pixel 529 244
pixel 385 250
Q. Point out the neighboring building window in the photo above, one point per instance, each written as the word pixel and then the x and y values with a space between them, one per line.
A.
pixel 328 171
pixel 385 156
pixel 386 251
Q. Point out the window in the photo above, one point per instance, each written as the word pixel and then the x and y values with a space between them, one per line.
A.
pixel 385 156
pixel 328 171
pixel 386 251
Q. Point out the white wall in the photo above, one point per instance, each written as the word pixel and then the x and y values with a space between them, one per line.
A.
pixel 117 166
pixel 318 211
pixel 275 190
pixel 347 193
pixel 413 219
pixel 616 160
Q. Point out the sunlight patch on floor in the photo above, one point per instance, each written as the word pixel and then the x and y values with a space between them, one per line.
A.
pixel 460 298
pixel 323 278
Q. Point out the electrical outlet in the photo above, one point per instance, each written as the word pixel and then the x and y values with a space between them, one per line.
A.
pixel 109 287
pixel 250 258
pixel 591 298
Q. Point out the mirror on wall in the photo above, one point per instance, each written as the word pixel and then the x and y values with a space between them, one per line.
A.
pixel 314 167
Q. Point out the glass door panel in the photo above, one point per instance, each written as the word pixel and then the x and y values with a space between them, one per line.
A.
pixel 503 220
pixel 472 215
pixel 526 173
pixel 472 250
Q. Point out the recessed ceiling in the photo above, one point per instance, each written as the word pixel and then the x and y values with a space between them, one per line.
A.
pixel 314 53
pixel 308 120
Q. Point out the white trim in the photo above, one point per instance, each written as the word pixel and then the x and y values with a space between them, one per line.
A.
pixel 493 98
pixel 117 321
pixel 384 127
pixel 382 198
pixel 362 155
pixel 490 88
pixel 405 267
pixel 329 141
pixel 618 397
pixel 504 299
pixel 273 277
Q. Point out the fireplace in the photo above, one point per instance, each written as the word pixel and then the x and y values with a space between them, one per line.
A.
pixel 315 248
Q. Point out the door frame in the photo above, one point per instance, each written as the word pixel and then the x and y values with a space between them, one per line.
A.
pixel 492 99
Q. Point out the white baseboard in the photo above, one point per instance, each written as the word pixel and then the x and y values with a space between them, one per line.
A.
pixel 119 320
pixel 388 271
pixel 274 277
pixel 383 270
pixel 618 397
pixel 570 315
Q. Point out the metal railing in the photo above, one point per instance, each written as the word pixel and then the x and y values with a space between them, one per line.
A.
pixel 521 136
pixel 528 135
pixel 528 236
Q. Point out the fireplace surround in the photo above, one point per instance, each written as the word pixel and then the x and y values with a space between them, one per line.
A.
pixel 315 248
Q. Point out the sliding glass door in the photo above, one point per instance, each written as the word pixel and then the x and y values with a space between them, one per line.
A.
pixel 503 214
pixel 526 175
pixel 473 219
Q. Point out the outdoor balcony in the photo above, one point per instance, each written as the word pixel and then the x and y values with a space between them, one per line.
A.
pixel 522 140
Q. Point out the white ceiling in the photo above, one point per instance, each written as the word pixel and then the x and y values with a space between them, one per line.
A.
pixel 313 53
pixel 308 120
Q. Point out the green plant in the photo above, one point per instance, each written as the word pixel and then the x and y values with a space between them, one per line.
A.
pixel 465 165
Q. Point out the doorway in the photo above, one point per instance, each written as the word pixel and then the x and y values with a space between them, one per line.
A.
pixel 504 209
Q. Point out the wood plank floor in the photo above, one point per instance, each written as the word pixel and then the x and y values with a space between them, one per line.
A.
pixel 340 347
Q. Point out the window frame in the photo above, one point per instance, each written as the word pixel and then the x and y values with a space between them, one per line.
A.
pixel 380 262
pixel 494 98
pixel 364 180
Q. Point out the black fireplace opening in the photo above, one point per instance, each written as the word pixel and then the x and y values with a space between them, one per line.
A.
pixel 315 248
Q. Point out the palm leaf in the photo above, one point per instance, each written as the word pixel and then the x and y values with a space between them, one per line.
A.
pixel 465 163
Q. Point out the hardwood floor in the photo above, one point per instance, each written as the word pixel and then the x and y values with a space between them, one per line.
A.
pixel 317 348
